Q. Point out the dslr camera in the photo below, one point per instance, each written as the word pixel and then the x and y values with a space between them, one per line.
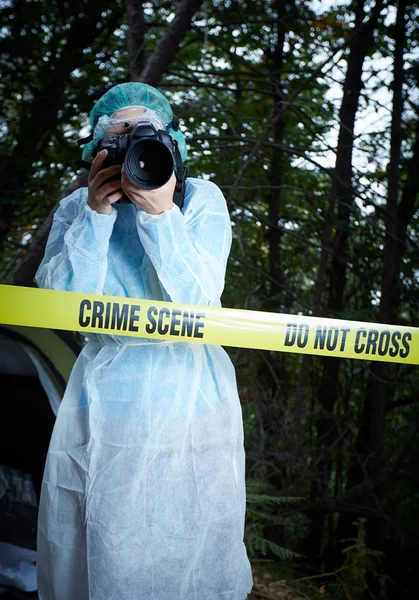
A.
pixel 149 157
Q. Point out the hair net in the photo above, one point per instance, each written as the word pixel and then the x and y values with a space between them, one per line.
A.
pixel 134 94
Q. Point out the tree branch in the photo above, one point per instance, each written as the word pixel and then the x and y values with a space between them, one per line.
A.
pixel 169 42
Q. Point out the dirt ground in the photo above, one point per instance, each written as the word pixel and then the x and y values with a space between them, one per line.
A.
pixel 267 586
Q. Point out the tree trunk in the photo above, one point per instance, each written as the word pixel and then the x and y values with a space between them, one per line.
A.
pixel 333 259
pixel 274 200
pixel 373 422
pixel 369 462
pixel 398 216
pixel 169 42
pixel 136 38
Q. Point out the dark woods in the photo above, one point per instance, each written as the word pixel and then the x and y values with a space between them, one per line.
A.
pixel 306 114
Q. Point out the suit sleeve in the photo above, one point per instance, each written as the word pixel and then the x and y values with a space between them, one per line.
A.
pixel 77 249
pixel 189 250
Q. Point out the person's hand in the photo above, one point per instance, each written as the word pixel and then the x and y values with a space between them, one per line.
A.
pixel 152 201
pixel 102 194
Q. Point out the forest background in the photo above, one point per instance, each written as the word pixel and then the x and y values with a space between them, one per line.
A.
pixel 306 115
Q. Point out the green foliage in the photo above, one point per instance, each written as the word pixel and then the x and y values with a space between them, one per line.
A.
pixel 256 545
pixel 360 561
pixel 262 511
pixel 56 58
pixel 351 580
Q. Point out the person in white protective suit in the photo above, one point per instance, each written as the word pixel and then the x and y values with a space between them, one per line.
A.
pixel 143 495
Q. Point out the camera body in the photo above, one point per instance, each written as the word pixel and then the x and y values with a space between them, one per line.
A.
pixel 148 155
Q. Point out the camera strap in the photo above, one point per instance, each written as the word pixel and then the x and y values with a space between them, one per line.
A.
pixel 181 175
pixel 85 140
pixel 80 162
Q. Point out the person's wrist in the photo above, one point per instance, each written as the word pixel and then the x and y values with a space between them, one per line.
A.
pixel 100 208
pixel 159 210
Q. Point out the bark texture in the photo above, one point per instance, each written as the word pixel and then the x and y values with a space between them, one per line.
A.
pixel 168 44
pixel 136 38
pixel 334 255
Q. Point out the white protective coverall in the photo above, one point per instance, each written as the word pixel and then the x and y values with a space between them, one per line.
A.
pixel 143 496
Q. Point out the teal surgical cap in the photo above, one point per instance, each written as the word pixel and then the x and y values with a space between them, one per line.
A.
pixel 134 94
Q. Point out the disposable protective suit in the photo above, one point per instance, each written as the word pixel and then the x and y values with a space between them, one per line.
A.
pixel 143 495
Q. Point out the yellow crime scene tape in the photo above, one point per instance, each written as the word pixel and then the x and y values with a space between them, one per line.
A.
pixel 89 313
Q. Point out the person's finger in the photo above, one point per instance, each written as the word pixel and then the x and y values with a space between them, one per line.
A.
pixel 127 184
pixel 107 173
pixel 108 188
pixel 97 163
pixel 132 191
pixel 170 182
pixel 115 197
pixel 124 177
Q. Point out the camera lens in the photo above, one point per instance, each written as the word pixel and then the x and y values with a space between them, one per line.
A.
pixel 149 164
